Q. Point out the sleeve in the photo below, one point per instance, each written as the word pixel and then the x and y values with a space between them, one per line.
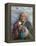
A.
pixel 29 27
pixel 15 31
pixel 15 26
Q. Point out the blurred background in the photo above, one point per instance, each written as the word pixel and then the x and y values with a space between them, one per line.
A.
pixel 16 10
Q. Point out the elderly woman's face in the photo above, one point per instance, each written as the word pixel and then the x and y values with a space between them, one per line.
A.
pixel 23 16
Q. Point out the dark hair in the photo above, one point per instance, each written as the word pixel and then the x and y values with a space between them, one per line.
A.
pixel 20 15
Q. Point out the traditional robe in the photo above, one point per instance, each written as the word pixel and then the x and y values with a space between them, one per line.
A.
pixel 24 33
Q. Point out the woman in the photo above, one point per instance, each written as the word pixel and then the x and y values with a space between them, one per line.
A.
pixel 22 28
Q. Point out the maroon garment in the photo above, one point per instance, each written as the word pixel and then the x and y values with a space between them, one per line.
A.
pixel 15 31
